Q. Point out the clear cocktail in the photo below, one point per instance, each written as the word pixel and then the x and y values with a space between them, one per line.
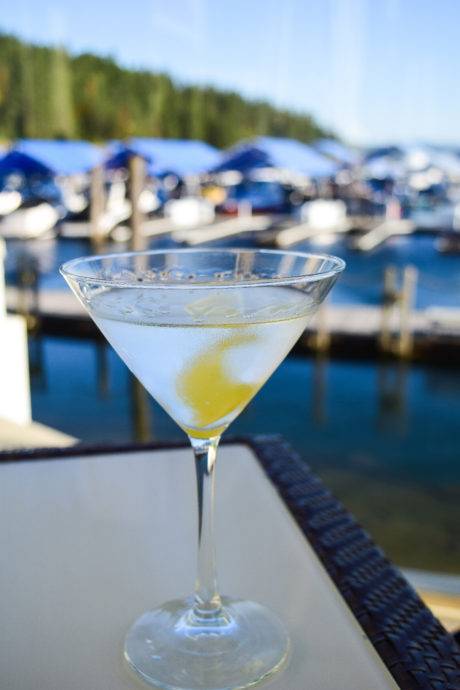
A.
pixel 203 330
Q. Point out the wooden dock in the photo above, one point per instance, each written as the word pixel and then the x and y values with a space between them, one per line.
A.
pixel 382 232
pixel 305 231
pixel 274 229
pixel 153 227
pixel 223 229
pixel 374 232
pixel 32 435
pixel 353 330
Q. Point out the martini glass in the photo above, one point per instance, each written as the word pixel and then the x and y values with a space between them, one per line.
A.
pixel 203 330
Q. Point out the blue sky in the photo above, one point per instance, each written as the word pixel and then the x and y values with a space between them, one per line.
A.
pixel 373 70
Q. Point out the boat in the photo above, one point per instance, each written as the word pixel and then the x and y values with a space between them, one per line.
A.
pixel 10 200
pixel 261 196
pixel 449 242
pixel 320 220
pixel 117 210
pixel 75 196
pixel 36 221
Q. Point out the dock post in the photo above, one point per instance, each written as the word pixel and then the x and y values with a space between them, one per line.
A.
pixel 244 264
pixel 28 291
pixel 406 303
pixel 102 369
pixel 322 336
pixel 389 299
pixel 136 186
pixel 2 277
pixel 392 395
pixel 320 388
pixel 97 206
pixel 140 412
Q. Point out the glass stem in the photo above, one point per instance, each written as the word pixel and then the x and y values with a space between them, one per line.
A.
pixel 207 606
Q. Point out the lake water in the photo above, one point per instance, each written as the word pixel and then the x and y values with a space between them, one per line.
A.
pixel 384 437
pixel 362 282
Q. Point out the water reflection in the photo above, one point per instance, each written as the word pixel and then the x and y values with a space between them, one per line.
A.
pixel 319 388
pixel 102 369
pixel 362 283
pixel 384 436
pixel 392 395
pixel 140 412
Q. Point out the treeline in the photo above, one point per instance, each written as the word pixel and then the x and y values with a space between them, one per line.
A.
pixel 48 93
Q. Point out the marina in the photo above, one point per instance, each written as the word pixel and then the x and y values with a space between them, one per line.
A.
pixel 392 325
pixel 433 332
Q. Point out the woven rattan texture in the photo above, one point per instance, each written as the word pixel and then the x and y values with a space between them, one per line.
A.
pixel 413 644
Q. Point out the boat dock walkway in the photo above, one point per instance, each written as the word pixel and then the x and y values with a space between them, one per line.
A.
pixel 382 232
pixel 32 435
pixel 355 329
pixel 200 233
pixel 153 227
pixel 306 231
pixel 373 234
pixel 279 231
pixel 224 229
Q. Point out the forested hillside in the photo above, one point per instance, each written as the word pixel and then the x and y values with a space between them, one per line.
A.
pixel 48 93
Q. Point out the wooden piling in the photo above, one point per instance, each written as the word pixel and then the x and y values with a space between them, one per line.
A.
pixel 406 304
pixel 389 298
pixel 244 264
pixel 392 380
pixel 136 186
pixel 140 412
pixel 28 292
pixel 97 207
pixel 2 277
pixel 102 369
pixel 320 366
pixel 321 339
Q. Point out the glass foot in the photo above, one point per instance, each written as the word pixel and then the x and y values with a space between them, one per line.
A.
pixel 170 648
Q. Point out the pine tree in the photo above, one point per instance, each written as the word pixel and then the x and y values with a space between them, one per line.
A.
pixel 63 121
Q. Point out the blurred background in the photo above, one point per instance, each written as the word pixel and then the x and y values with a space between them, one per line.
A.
pixel 331 127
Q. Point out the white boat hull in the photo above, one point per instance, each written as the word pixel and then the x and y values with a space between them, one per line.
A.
pixel 30 223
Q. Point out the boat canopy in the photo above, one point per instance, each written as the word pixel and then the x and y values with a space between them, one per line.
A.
pixel 407 161
pixel 337 151
pixel 42 156
pixel 394 152
pixel 384 167
pixel 272 152
pixel 17 162
pixel 179 156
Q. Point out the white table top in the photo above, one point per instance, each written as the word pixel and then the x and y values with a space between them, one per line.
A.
pixel 89 544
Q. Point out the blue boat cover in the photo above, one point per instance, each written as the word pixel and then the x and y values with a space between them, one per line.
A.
pixel 41 156
pixel 336 150
pixel 272 152
pixel 16 162
pixel 395 152
pixel 179 156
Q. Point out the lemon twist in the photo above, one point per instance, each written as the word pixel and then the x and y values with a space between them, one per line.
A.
pixel 206 386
